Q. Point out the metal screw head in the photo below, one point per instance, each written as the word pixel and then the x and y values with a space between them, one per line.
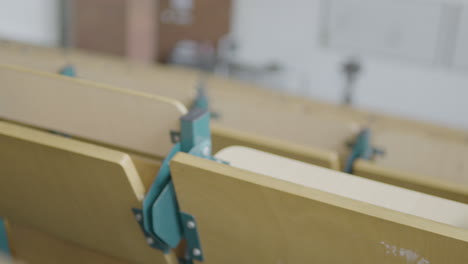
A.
pixel 150 241
pixel 206 151
pixel 196 252
pixel 138 217
pixel 191 224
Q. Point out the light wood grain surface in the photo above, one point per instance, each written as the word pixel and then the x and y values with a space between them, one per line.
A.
pixel 275 125
pixel 34 247
pixel 169 81
pixel 423 154
pixel 245 217
pixel 173 82
pixel 272 118
pixel 115 116
pixel 411 146
pixel 262 112
pixel 347 185
pixel 147 169
pixel 75 191
pixel 419 182
pixel 223 137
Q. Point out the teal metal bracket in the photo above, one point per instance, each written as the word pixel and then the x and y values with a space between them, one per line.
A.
pixel 361 149
pixel 202 100
pixel 68 70
pixel 160 218
pixel 4 247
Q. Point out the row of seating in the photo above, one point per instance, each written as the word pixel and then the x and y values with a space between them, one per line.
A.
pixel 413 149
pixel 117 117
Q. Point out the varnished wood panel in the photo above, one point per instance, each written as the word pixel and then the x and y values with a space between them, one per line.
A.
pixel 78 192
pixel 34 247
pixel 419 182
pixel 263 112
pixel 229 137
pixel 101 68
pixel 272 118
pixel 173 82
pixel 411 147
pixel 276 129
pixel 147 169
pixel 267 220
pixel 444 159
pixel 347 185
pixel 111 115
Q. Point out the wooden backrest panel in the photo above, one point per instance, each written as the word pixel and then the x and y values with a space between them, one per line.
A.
pixel 419 161
pixel 110 115
pixel 423 154
pixel 261 112
pixel 347 185
pixel 245 217
pixel 223 138
pixel 419 182
pixel 33 246
pixel 180 84
pixel 168 81
pixel 173 82
pixel 75 191
pixel 300 121
pixel 273 118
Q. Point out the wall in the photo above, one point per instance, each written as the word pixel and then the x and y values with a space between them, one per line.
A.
pixel 33 21
pixel 289 32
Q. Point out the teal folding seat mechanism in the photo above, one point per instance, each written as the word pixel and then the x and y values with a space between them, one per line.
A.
pixel 361 149
pixel 68 70
pixel 202 100
pixel 163 224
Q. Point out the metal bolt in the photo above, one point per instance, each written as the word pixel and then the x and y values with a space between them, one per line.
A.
pixel 138 217
pixel 150 241
pixel 206 151
pixel 196 252
pixel 191 224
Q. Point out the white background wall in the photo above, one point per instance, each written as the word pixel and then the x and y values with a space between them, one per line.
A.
pixel 33 21
pixel 288 31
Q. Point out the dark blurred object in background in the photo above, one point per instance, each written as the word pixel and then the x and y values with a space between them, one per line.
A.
pixel 148 30
pixel 351 70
